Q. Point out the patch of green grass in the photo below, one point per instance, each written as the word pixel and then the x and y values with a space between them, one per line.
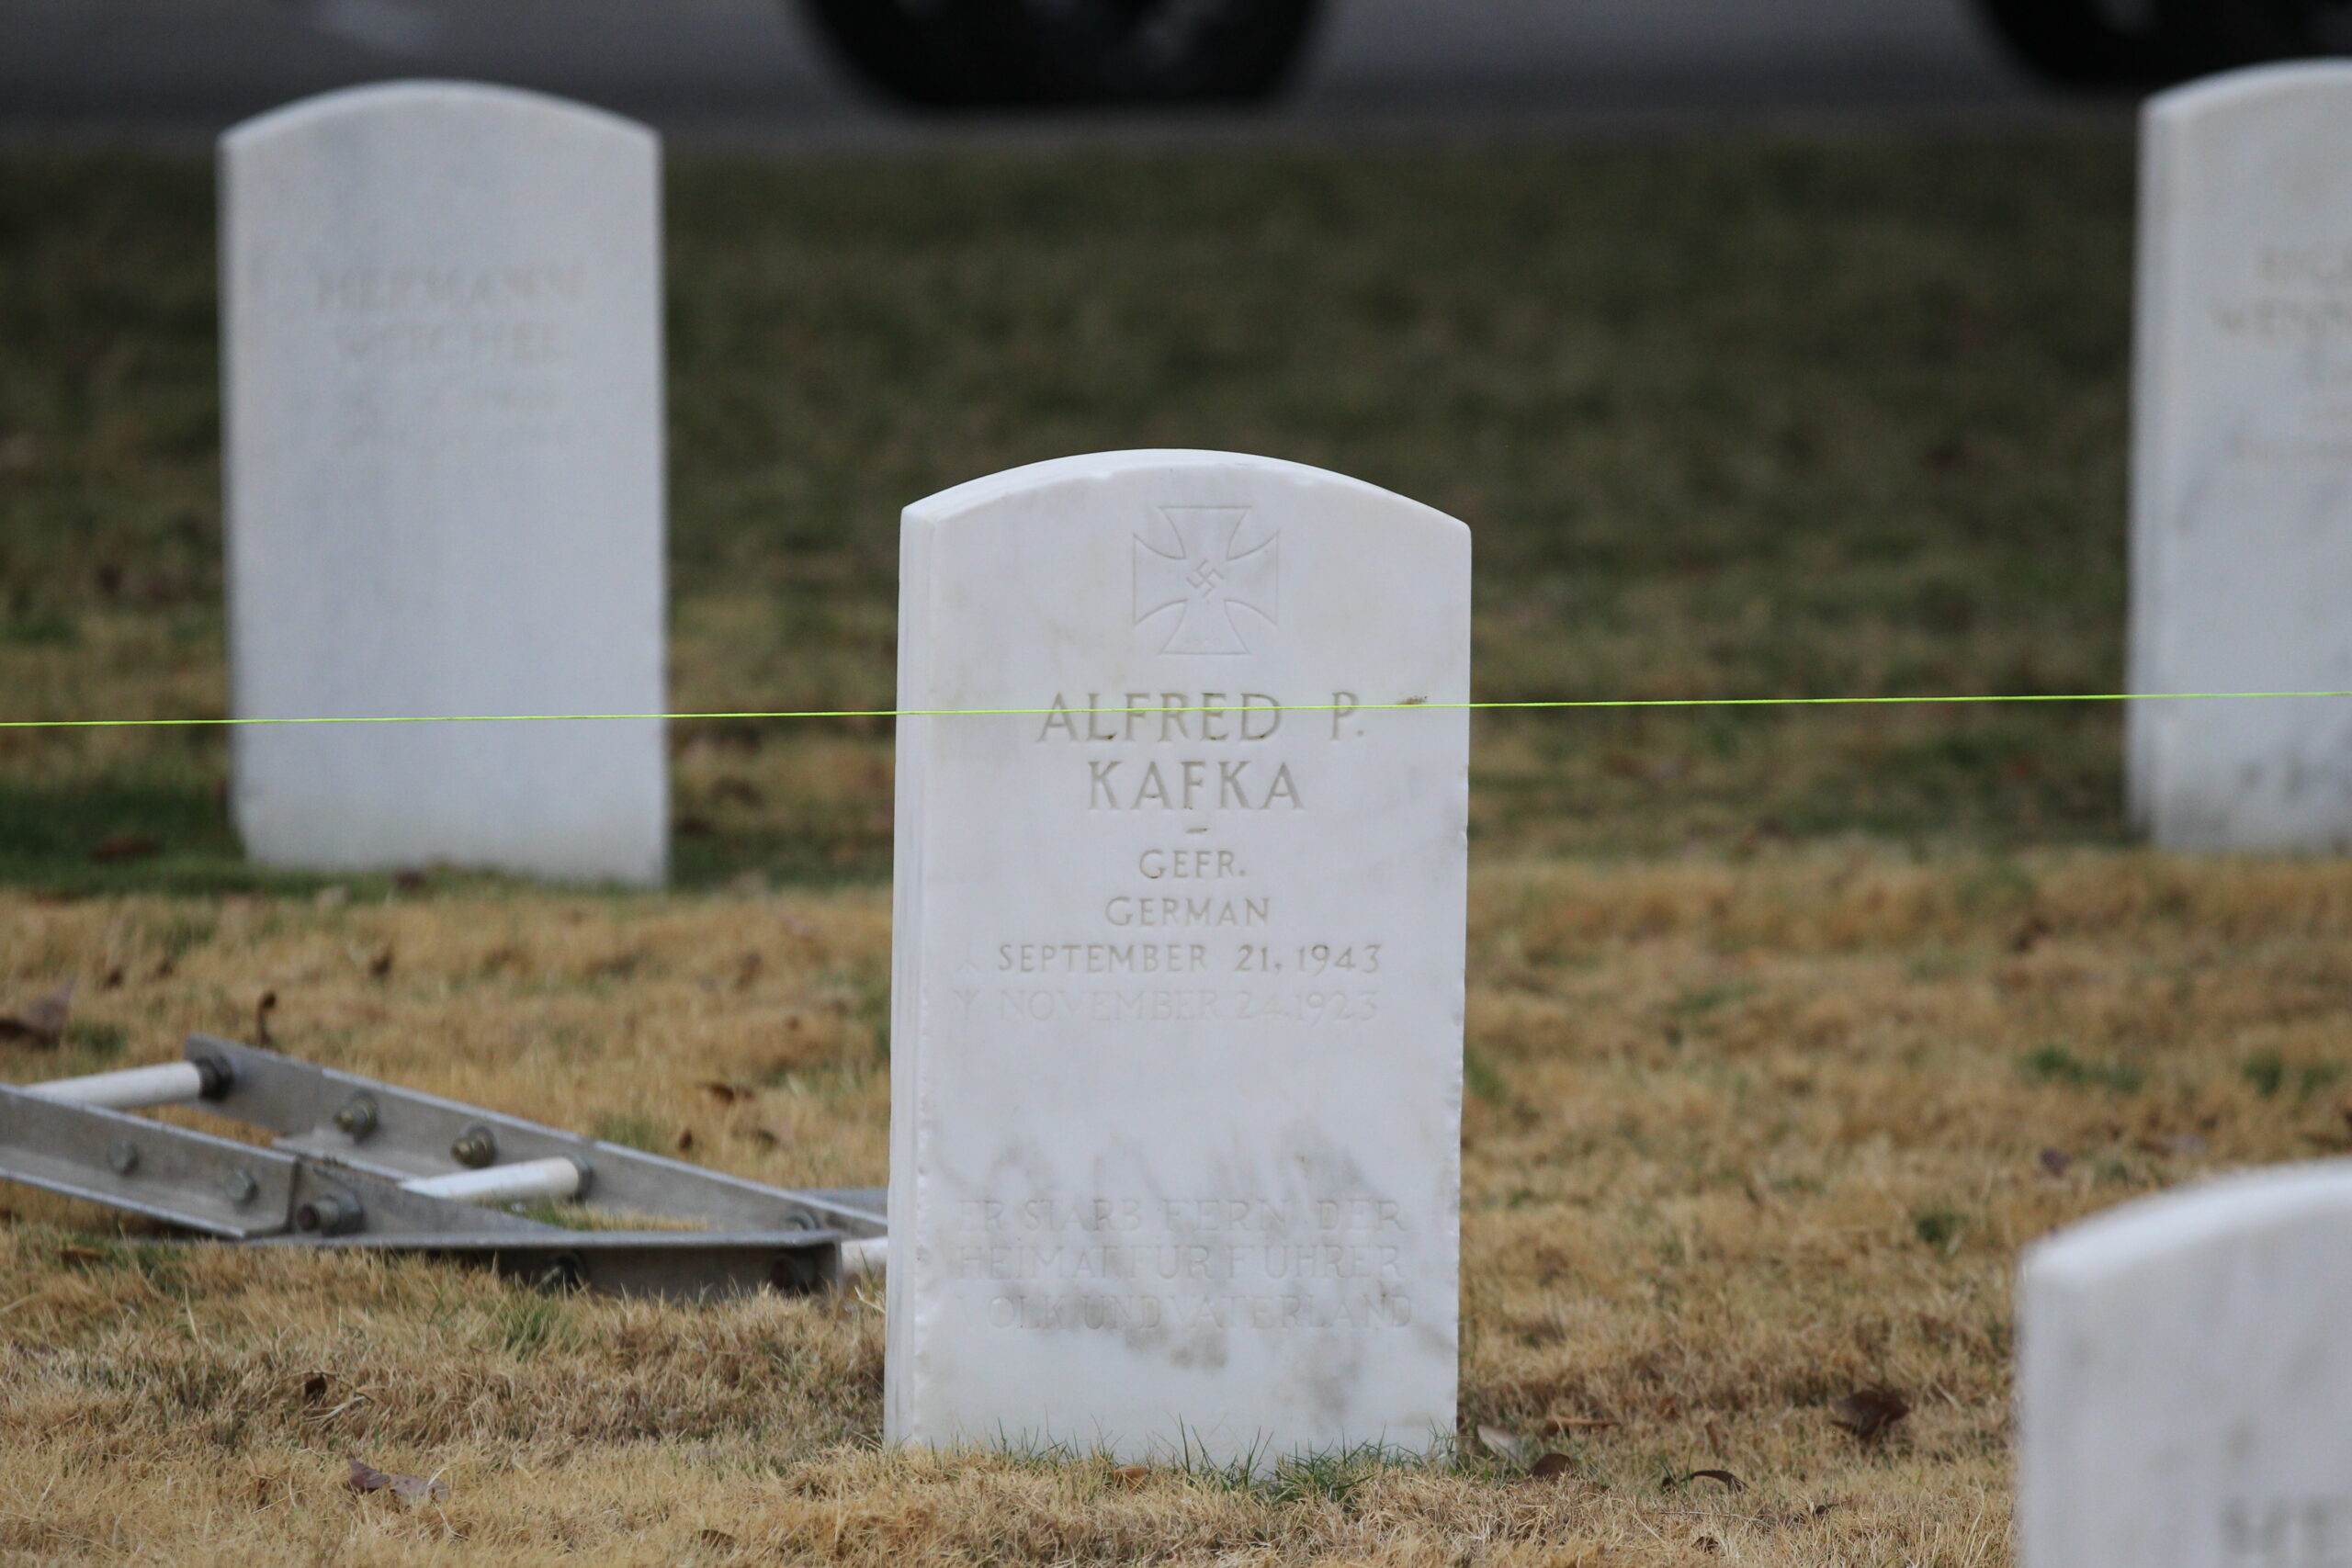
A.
pixel 39 629
pixel 2059 1064
pixel 524 1322
pixel 96 1043
pixel 117 832
pixel 1704 1000
pixel 630 1129
pixel 1482 1078
pixel 159 1265
pixel 2266 1071
pixel 1939 1229
pixel 2269 1072
pixel 1329 1476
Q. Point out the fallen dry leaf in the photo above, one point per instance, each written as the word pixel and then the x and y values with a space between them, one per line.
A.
pixel 1722 1477
pixel 380 967
pixel 1502 1445
pixel 723 1092
pixel 2178 1144
pixel 719 1539
pixel 1869 1413
pixel 1551 1467
pixel 117 847
pixel 1559 1425
pixel 1131 1475
pixel 41 1020
pixel 365 1477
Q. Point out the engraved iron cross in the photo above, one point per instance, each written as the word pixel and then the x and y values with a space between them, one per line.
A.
pixel 1205 580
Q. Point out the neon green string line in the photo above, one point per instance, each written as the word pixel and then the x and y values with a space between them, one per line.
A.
pixel 1146 712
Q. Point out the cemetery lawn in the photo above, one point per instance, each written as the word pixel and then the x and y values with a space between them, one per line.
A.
pixel 1787 1030
pixel 1731 417
pixel 1743 1142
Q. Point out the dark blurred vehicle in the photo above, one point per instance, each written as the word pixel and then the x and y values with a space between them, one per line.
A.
pixel 1009 53
pixel 2145 42
pixel 1013 53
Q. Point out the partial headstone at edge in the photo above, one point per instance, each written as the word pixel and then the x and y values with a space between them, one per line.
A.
pixel 2241 481
pixel 442 365
pixel 2184 1371
pixel 1178 968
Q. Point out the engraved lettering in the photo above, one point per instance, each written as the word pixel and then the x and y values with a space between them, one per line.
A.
pixel 1102 958
pixel 2286 1532
pixel 372 290
pixel 1124 910
pixel 1211 715
pixel 1241 786
pixel 1258 705
pixel 1093 719
pixel 1188 864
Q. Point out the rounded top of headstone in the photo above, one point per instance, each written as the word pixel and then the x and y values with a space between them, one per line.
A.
pixel 430 98
pixel 2149 1230
pixel 1097 467
pixel 2256 84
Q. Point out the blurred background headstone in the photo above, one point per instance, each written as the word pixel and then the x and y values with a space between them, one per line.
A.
pixel 2242 494
pixel 443 362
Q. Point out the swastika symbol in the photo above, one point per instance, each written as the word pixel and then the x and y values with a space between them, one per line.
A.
pixel 1201 586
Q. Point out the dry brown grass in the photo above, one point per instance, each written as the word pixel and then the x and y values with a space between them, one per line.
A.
pixel 1744 1137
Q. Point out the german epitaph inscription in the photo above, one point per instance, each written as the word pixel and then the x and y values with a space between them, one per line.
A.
pixel 1177 1011
pixel 2241 506
pixel 2185 1371
pixel 444 390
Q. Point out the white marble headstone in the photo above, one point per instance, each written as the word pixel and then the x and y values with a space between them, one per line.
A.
pixel 1177 992
pixel 2242 486
pixel 2185 1377
pixel 443 379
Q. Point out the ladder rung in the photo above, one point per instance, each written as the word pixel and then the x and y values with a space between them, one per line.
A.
pixel 133 1089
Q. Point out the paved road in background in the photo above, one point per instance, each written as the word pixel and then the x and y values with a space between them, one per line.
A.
pixel 747 67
